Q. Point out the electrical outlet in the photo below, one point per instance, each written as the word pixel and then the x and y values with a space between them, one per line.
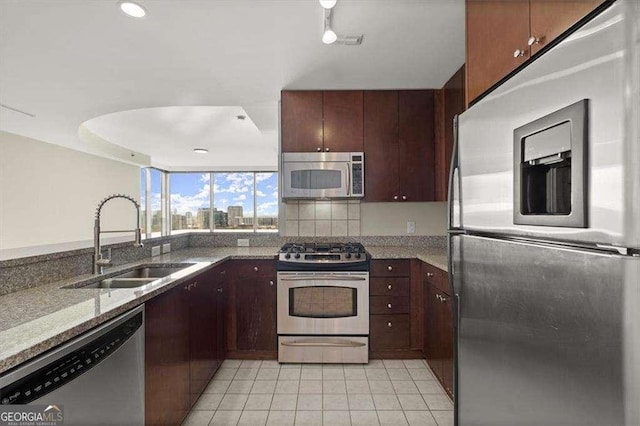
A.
pixel 166 248
pixel 243 242
pixel 411 227
pixel 155 251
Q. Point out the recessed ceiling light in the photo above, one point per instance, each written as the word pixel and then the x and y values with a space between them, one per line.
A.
pixel 201 150
pixel 328 4
pixel 241 117
pixel 132 9
pixel 329 36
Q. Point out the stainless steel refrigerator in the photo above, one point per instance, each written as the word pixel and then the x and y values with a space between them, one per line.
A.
pixel 544 236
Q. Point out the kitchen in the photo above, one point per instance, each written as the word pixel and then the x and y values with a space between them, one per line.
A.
pixel 445 233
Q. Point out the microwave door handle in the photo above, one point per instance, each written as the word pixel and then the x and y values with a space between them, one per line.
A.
pixel 348 179
pixel 323 278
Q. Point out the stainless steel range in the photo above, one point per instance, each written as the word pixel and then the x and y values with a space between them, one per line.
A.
pixel 323 303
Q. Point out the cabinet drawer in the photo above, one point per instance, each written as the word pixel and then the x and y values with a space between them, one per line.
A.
pixel 389 305
pixel 436 277
pixel 389 287
pixel 390 268
pixel 390 332
pixel 246 268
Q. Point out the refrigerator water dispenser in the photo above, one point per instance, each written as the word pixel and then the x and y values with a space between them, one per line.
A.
pixel 550 186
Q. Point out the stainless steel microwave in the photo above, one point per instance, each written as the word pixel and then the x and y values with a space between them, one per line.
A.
pixel 317 175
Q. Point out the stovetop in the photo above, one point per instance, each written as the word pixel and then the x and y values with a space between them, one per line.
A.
pixel 323 256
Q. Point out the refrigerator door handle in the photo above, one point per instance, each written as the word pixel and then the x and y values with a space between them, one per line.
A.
pixel 454 178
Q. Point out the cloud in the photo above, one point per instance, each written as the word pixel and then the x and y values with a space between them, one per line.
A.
pixel 240 197
pixel 270 208
pixel 263 176
pixel 260 193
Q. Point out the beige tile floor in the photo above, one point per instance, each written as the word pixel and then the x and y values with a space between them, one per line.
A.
pixel 389 392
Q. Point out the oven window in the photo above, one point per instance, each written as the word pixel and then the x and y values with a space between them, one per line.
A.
pixel 316 179
pixel 323 302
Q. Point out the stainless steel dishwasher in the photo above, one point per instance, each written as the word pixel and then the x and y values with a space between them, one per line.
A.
pixel 97 378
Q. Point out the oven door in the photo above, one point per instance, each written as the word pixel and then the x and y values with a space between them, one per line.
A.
pixel 326 179
pixel 323 303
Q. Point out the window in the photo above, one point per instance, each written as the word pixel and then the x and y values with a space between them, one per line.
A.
pixel 241 201
pixel 190 201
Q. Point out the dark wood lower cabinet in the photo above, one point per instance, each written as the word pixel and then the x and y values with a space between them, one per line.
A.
pixel 438 326
pixel 184 338
pixel 167 393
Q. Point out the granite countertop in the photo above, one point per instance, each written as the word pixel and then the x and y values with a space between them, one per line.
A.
pixel 35 320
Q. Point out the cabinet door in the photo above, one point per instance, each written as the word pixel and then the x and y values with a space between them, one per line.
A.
pixel 495 30
pixel 202 332
pixel 416 142
pixel 256 313
pixel 343 121
pixel 301 121
pixel 167 358
pixel 381 145
pixel 550 18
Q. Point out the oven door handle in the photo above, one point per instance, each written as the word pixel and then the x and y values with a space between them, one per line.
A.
pixel 325 344
pixel 324 278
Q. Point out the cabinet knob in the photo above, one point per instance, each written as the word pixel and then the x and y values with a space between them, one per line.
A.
pixel 430 274
pixel 389 305
pixel 390 268
pixel 404 197
pixel 443 299
pixel 326 150
pixel 223 272
pixel 318 149
pixel 534 40
pixel 220 290
pixel 395 197
pixel 389 324
pixel 518 53
pixel 271 283
pixel 438 296
pixel 255 268
pixel 389 287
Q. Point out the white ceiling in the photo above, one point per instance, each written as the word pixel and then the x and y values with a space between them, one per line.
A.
pixel 70 62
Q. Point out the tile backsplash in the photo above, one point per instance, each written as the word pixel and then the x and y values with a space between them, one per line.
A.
pixel 322 218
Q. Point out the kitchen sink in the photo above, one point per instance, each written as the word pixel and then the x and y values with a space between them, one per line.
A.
pixel 136 277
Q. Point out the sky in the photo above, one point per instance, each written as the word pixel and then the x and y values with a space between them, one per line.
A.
pixel 190 191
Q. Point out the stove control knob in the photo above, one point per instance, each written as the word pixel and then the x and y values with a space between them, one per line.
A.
pixel 287 256
pixel 297 256
pixel 348 255
pixel 358 255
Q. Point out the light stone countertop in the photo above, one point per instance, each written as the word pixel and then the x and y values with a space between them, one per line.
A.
pixel 35 320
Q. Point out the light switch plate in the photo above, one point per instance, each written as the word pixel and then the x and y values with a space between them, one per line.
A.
pixel 411 227
pixel 155 251
pixel 243 242
pixel 166 248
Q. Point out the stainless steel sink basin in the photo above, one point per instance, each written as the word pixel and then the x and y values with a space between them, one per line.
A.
pixel 136 277
pixel 146 272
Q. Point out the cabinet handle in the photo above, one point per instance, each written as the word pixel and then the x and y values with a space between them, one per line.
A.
pixel 271 283
pixel 404 197
pixel 395 197
pixel 390 268
pixel 534 40
pixel 318 149
pixel 389 305
pixel 443 299
pixel 255 268
pixel 326 150
pixel 389 287
pixel 438 296
pixel 518 53
pixel 389 324
pixel 223 272
pixel 195 284
pixel 220 290
pixel 430 274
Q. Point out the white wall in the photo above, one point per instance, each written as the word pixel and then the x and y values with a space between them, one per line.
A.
pixel 48 196
pixel 391 218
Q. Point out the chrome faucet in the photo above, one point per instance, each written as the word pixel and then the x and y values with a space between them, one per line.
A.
pixel 98 261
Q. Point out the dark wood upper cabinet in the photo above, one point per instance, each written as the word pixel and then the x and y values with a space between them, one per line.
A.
pixel 503 34
pixel 329 121
pixel 343 121
pixel 496 29
pixel 301 121
pixel 550 18
pixel 381 145
pixel 399 145
pixel 416 145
